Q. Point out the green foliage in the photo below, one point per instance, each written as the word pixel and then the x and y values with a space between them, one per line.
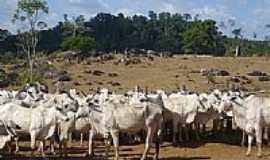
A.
pixel 248 47
pixel 178 33
pixel 211 78
pixel 38 74
pixel 24 77
pixel 79 43
pixel 237 32
pixel 28 12
pixel 2 75
pixel 7 79
pixel 8 58
pixel 202 38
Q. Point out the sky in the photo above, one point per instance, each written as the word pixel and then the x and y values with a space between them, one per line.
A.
pixel 250 15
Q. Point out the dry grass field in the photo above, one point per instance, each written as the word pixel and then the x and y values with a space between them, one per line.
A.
pixel 166 73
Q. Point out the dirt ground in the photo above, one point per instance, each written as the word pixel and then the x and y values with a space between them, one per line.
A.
pixel 212 149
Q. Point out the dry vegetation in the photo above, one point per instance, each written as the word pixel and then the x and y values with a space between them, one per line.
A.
pixel 165 73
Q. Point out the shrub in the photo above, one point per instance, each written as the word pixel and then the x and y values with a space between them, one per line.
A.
pixel 211 78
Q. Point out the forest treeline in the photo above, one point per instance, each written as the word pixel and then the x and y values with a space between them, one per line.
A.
pixel 175 33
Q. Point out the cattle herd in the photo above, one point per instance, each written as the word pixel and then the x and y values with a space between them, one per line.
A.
pixel 54 117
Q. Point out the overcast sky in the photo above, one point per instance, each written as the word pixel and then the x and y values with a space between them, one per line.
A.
pixel 250 15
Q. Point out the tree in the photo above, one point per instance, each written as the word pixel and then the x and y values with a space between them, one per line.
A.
pixel 231 23
pixel 203 37
pixel 29 12
pixel 152 15
pixel 78 43
pixel 254 35
pixel 74 26
pixel 4 34
pixel 237 33
pixel 187 16
pixel 238 37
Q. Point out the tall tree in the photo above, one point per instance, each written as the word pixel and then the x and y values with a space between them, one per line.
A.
pixel 202 37
pixel 187 16
pixel 238 37
pixel 74 26
pixel 29 12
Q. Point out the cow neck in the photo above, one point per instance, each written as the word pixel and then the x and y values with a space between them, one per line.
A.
pixel 238 109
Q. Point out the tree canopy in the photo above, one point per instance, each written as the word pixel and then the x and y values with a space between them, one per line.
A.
pixel 177 33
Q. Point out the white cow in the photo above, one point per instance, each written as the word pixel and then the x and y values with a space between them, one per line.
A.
pixel 210 102
pixel 181 109
pixel 256 117
pixel 112 118
pixel 40 121
pixel 7 134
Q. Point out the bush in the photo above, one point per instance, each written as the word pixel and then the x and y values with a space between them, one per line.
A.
pixel 3 82
pixel 79 43
pixel 8 58
pixel 211 78
pixel 7 79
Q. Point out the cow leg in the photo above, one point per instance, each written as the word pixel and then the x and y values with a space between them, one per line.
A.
pixel 52 147
pixel 115 136
pixel 41 148
pixel 107 145
pixel 90 143
pixel 259 140
pixel 204 128
pixel 197 130
pixel 17 144
pixel 61 149
pixel 250 139
pixel 148 142
pixel 175 130
pixel 266 135
pixel 70 137
pixel 180 133
pixel 81 140
pixel 33 143
pixel 186 129
pixel 243 138
pixel 65 147
pixel 158 140
pixel 215 126
pixel 9 148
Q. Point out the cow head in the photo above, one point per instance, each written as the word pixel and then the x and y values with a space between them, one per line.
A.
pixel 59 113
pixel 66 102
pixel 228 101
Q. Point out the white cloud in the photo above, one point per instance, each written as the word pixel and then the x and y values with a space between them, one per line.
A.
pixel 168 7
pixel 219 10
pixel 220 13
pixel 7 9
